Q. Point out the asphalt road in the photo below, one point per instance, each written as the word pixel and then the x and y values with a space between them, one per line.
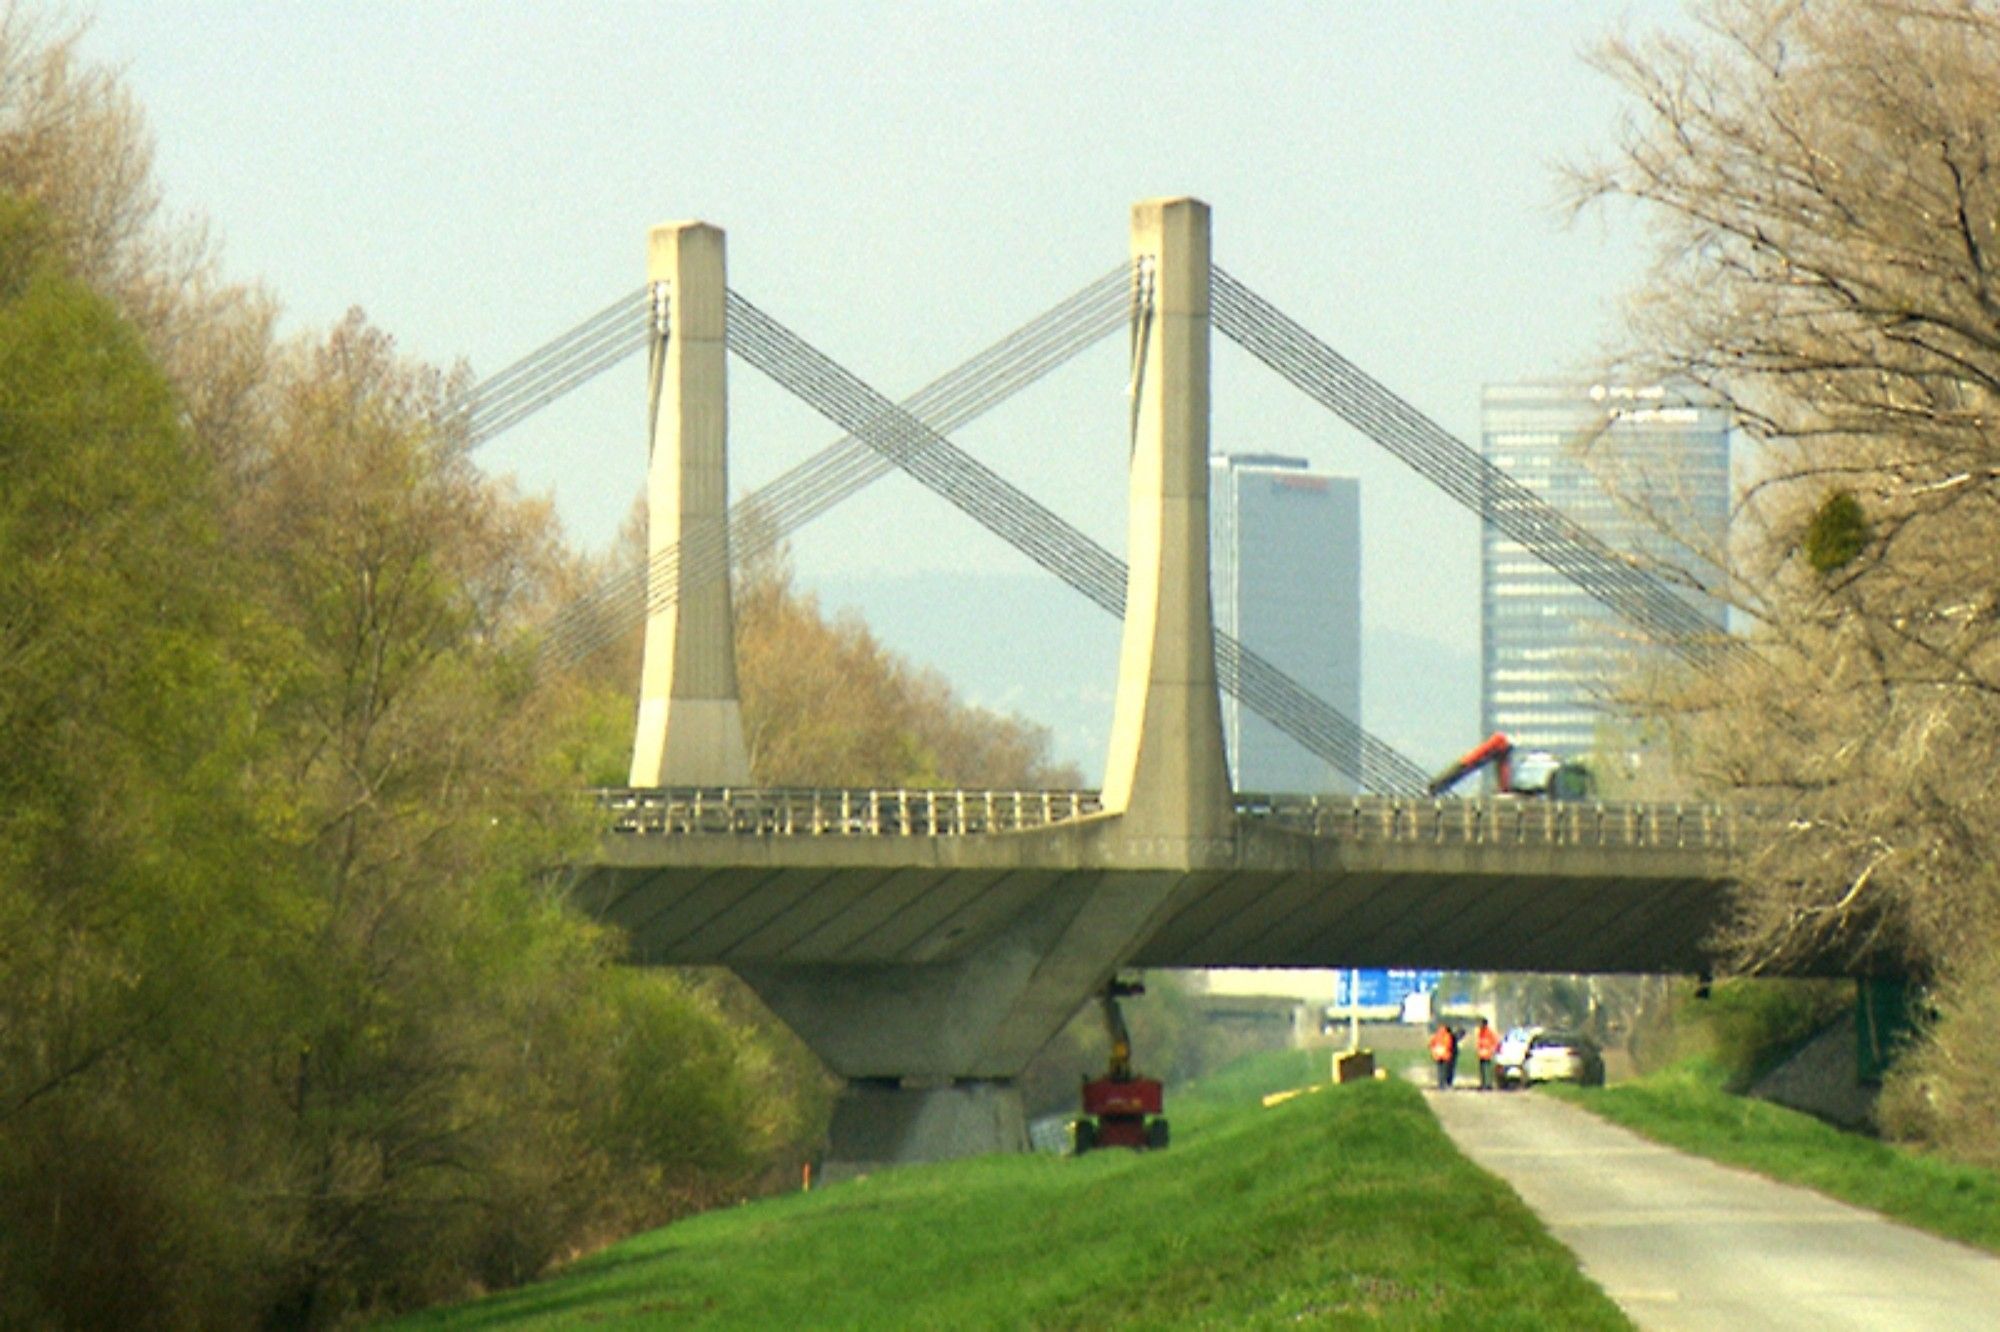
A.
pixel 1680 1242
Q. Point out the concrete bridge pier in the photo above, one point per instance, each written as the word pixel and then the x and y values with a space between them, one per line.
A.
pixel 931 1052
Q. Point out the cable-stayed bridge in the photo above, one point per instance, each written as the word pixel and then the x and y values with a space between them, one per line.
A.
pixel 926 944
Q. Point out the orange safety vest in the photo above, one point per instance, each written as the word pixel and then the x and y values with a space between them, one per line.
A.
pixel 1489 1042
pixel 1440 1045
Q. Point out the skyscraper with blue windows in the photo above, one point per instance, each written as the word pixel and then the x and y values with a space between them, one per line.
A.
pixel 1628 463
pixel 1285 580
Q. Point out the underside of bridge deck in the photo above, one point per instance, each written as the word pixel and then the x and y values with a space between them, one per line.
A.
pixel 1260 897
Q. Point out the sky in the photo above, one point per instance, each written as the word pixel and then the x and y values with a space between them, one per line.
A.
pixel 902 184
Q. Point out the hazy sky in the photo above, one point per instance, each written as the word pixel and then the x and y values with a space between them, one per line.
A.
pixel 904 183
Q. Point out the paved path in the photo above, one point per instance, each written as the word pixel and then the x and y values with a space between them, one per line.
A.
pixel 1680 1242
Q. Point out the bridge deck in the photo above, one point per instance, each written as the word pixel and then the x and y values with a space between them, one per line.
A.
pixel 758 878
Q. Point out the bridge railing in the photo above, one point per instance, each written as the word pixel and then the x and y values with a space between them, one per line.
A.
pixel 848 812
pixel 837 812
pixel 1498 822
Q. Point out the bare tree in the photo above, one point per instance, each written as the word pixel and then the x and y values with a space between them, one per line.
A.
pixel 1824 180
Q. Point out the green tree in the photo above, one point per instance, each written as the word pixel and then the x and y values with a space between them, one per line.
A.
pixel 470 1083
pixel 126 892
pixel 421 807
pixel 293 1019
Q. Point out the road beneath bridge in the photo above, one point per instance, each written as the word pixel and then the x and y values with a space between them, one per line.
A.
pixel 1684 1243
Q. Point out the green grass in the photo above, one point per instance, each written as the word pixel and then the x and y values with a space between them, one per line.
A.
pixel 1686 1107
pixel 1347 1207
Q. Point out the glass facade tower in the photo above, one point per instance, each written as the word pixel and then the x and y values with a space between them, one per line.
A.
pixel 1285 580
pixel 1608 457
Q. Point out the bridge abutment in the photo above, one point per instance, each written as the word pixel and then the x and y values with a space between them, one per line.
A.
pixel 690 726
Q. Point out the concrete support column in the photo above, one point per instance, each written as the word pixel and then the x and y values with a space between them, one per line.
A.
pixel 690 728
pixel 1166 771
pixel 931 1050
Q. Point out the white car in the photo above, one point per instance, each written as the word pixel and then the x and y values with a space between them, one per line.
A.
pixel 1535 1054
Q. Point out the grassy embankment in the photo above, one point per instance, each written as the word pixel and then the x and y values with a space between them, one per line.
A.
pixel 1343 1207
pixel 1687 1107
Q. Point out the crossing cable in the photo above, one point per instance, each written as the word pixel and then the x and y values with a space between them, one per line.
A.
pixel 1090 569
pixel 1567 547
pixel 761 519
pixel 838 471
pixel 1051 542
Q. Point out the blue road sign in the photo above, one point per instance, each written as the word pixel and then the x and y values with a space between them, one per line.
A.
pixel 1381 988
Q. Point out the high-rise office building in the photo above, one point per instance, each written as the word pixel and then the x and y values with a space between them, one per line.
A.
pixel 1606 456
pixel 1285 578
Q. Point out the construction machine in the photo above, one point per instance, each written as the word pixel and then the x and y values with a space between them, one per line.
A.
pixel 1534 773
pixel 1116 1106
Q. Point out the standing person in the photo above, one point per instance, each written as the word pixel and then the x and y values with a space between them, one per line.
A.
pixel 1444 1053
pixel 1487 1042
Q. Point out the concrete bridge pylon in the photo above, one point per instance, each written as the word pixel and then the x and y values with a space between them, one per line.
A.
pixel 1166 772
pixel 690 724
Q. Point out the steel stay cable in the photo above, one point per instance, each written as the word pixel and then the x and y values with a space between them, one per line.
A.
pixel 620 329
pixel 845 466
pixel 1324 731
pixel 797 507
pixel 1111 597
pixel 583 362
pixel 527 367
pixel 1630 599
pixel 519 379
pixel 1101 578
pixel 559 388
pixel 1046 538
pixel 1474 484
pixel 1535 535
pixel 1522 515
pixel 491 395
pixel 1609 583
pixel 1520 511
pixel 866 413
pixel 950 406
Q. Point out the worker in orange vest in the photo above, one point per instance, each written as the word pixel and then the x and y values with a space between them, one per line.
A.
pixel 1444 1053
pixel 1487 1042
